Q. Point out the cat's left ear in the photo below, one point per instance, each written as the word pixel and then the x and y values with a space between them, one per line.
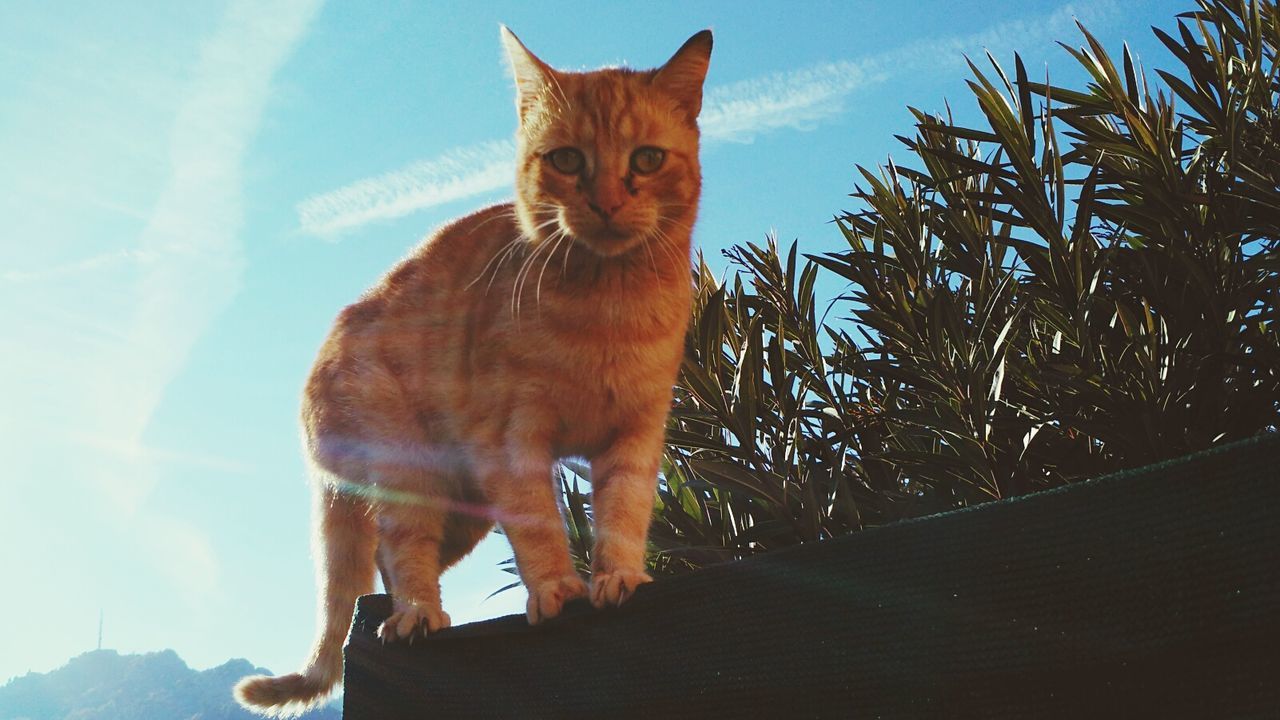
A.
pixel 683 74
pixel 532 75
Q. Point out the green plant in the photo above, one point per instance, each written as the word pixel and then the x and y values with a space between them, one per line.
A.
pixel 1088 283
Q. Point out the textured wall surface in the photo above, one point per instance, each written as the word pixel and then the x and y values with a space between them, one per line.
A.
pixel 1150 593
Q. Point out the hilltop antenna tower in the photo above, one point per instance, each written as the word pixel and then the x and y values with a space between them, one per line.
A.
pixel 100 613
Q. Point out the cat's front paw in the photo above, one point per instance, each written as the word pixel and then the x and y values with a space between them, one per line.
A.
pixel 614 587
pixel 547 599
pixel 411 619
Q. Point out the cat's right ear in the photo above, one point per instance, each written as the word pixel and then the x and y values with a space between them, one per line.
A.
pixel 531 74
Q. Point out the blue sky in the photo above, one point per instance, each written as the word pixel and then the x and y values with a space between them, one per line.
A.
pixel 191 191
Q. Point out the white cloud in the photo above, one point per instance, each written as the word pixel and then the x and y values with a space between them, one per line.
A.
pixel 796 99
pixel 799 99
pixel 1001 39
pixel 459 173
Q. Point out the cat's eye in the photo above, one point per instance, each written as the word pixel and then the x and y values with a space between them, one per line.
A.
pixel 646 160
pixel 566 160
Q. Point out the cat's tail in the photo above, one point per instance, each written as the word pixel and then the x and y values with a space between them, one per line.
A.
pixel 344 545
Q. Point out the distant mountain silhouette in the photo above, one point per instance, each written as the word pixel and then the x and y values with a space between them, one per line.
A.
pixel 105 685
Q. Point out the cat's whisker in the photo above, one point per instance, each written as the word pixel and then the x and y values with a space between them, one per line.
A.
pixel 555 219
pixel 679 207
pixel 538 288
pixel 517 291
pixel 506 251
pixel 506 215
pixel 537 229
pixel 512 248
pixel 667 245
pixel 548 223
pixel 644 242
pixel 518 283
pixel 502 252
pixel 564 264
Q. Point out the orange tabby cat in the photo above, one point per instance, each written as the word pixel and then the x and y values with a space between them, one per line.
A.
pixel 527 332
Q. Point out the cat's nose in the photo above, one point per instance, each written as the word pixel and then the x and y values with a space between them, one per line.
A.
pixel 606 202
pixel 605 211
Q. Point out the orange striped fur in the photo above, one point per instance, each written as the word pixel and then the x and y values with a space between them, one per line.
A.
pixel 549 327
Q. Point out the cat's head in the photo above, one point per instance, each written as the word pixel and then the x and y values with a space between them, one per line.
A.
pixel 608 158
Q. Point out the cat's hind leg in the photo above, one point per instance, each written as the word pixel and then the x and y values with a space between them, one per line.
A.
pixel 417 482
pixel 410 574
pixel 430 515
pixel 410 539
pixel 416 547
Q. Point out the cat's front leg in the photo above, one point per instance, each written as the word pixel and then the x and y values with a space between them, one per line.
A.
pixel 624 481
pixel 518 481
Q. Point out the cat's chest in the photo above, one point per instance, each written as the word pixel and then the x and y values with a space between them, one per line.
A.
pixel 604 386
pixel 606 371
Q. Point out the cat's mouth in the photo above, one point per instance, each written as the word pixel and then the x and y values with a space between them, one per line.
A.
pixel 611 241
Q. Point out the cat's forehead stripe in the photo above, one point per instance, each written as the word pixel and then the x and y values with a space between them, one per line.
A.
pixel 606 107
